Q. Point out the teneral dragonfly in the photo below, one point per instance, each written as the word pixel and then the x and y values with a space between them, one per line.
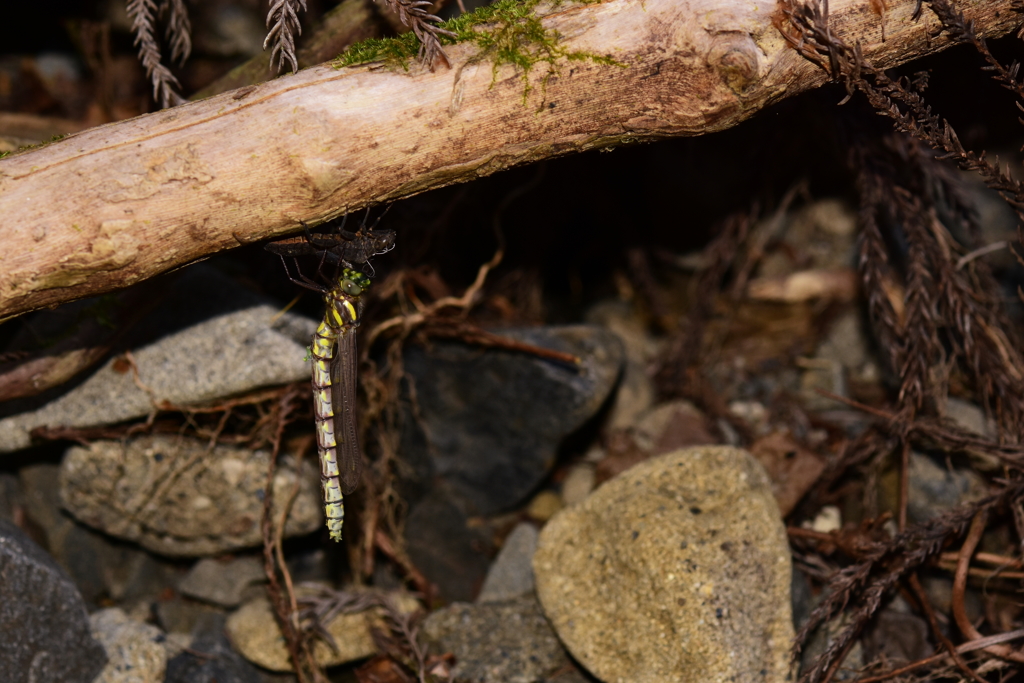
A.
pixel 335 360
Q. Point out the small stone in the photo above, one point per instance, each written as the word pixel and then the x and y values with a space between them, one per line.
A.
pixel 670 426
pixel 222 583
pixel 822 374
pixel 635 393
pixel 255 634
pixel 544 505
pixel 497 642
pixel 45 628
pixel 135 651
pixel 578 483
pixel 511 575
pixel 828 519
pixel 933 489
pixel 177 497
pixel 677 570
pixel 178 615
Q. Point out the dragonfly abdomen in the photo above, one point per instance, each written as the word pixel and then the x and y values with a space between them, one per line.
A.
pixel 333 353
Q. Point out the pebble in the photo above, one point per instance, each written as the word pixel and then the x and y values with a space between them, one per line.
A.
pixel 677 570
pixel 224 583
pixel 934 488
pixel 174 496
pixel 635 393
pixel 544 505
pixel 135 651
pixel 255 634
pixel 511 575
pixel 46 635
pixel 578 483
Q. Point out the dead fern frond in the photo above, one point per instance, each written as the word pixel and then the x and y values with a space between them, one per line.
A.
pixel 866 583
pixel 424 26
pixel 283 25
pixel 165 86
pixel 961 30
pixel 944 302
pixel 179 31
pixel 808 32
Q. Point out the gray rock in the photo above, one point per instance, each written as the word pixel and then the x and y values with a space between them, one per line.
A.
pixel 896 636
pixel 441 544
pixel 176 497
pixel 677 570
pixel 933 489
pixel 494 419
pixel 43 620
pixel 635 393
pixel 180 615
pixel 969 416
pixel 511 575
pixel 135 651
pixel 497 642
pixel 102 568
pixel 222 583
pixel 219 340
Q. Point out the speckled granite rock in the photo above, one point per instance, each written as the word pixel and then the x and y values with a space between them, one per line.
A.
pixel 677 570
pixel 45 630
pixel 175 497
pixel 508 641
pixel 135 651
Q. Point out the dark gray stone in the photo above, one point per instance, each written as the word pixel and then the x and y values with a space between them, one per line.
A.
pixel 102 567
pixel 498 642
pixel 441 545
pixel 45 627
pixel 493 419
pixel 211 659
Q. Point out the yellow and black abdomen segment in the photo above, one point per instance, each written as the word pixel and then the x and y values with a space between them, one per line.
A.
pixel 334 383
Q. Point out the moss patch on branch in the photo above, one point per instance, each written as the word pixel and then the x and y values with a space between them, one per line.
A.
pixel 507 32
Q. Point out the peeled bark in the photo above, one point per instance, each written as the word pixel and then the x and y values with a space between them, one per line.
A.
pixel 110 206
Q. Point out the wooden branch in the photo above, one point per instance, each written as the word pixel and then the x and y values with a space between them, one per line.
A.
pixel 110 206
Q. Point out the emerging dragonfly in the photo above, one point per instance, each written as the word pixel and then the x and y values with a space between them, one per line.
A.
pixel 334 357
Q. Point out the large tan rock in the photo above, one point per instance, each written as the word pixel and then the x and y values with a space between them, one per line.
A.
pixel 677 570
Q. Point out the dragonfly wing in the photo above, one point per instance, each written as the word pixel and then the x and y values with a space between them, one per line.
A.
pixel 343 393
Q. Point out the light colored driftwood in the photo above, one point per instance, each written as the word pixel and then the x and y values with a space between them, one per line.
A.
pixel 114 205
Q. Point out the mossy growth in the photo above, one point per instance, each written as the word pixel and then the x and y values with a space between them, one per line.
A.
pixel 37 145
pixel 507 32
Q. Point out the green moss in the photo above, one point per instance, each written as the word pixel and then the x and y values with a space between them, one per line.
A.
pixel 507 32
pixel 37 145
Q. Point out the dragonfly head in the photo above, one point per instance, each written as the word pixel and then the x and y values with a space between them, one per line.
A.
pixel 353 282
